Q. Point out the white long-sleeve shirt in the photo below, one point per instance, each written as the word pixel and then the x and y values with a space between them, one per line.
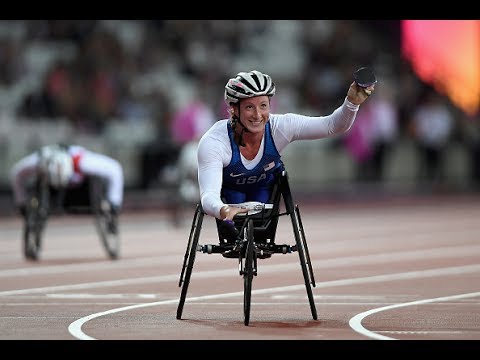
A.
pixel 214 149
pixel 86 163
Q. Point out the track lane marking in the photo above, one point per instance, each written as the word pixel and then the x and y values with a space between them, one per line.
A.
pixel 75 328
pixel 356 321
pixel 438 253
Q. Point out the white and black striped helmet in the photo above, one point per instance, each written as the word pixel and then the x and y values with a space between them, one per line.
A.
pixel 247 85
pixel 57 164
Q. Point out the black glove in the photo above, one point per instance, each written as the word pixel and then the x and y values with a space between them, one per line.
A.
pixel 228 231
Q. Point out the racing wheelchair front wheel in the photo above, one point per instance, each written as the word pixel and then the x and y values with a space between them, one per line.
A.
pixel 248 270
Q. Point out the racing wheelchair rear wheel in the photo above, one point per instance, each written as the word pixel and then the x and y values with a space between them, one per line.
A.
pixel 35 220
pixel 105 219
pixel 189 257
pixel 302 248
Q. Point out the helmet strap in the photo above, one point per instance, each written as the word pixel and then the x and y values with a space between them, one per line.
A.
pixel 236 120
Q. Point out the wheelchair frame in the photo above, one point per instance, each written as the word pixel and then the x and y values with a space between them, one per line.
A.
pixel 256 241
pixel 39 208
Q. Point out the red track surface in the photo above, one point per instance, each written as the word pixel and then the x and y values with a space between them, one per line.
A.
pixel 390 270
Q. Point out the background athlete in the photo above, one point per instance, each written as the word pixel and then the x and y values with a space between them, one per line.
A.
pixel 70 167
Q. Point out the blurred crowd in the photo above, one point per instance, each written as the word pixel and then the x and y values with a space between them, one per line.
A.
pixel 93 72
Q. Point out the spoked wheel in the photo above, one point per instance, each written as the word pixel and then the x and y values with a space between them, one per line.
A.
pixel 303 255
pixel 36 219
pixel 105 220
pixel 301 245
pixel 305 247
pixel 189 258
pixel 33 229
pixel 110 241
pixel 248 271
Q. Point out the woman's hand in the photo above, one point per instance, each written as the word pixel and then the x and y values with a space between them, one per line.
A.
pixel 229 212
pixel 357 94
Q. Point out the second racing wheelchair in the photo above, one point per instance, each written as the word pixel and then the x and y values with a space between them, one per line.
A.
pixel 90 198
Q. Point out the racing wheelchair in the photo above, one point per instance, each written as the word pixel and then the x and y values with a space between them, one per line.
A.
pixel 44 200
pixel 257 229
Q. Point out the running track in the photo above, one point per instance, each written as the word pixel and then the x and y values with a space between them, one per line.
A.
pixel 406 269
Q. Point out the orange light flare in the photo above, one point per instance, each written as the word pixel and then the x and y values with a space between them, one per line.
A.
pixel 446 54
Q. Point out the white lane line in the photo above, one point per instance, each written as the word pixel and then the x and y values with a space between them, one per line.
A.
pixel 62 269
pixel 450 251
pixel 92 285
pixel 229 272
pixel 423 332
pixel 356 321
pixel 75 328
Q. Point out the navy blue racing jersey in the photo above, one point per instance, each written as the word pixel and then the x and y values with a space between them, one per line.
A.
pixel 240 184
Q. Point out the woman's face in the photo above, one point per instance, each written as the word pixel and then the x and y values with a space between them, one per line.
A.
pixel 254 113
